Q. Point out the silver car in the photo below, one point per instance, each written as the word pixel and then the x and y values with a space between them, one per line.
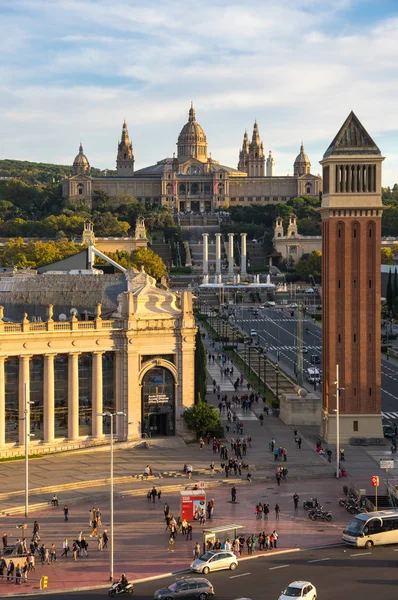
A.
pixel 214 561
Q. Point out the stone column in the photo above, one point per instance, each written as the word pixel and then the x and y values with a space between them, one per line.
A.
pixel 243 254
pixel 2 403
pixel 73 396
pixel 205 253
pixel 23 396
pixel 230 254
pixel 97 396
pixel 218 253
pixel 119 405
pixel 48 397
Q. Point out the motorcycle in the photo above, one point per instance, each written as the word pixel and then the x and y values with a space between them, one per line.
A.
pixel 115 589
pixel 310 504
pixel 320 514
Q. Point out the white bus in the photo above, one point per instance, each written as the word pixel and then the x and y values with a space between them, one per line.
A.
pixel 372 529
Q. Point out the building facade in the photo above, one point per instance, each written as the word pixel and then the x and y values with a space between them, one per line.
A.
pixel 193 181
pixel 139 362
pixel 351 225
pixel 290 244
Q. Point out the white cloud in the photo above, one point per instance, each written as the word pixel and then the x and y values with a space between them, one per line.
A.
pixel 297 66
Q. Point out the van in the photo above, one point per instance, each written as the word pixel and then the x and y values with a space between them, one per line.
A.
pixel 313 375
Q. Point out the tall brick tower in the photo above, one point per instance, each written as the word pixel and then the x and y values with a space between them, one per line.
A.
pixel 351 223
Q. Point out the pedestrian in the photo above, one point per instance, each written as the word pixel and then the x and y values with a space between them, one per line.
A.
pixel 25 569
pixel 10 570
pixel 154 494
pixel 189 531
pixel 94 528
pixel 65 548
pixel 277 511
pixel 74 550
pixel 275 538
pixel 105 539
pixel 66 513
pixel 284 454
pixel 296 498
pixel 266 511
pixel 5 538
pixel 171 543
pixel 159 495
pixel 196 551
pixel 3 565
pixel 53 553
pixel 212 469
pixel 47 555
pixel 299 443
pixel 18 575
pixel 271 540
pixel 100 546
pixel 201 443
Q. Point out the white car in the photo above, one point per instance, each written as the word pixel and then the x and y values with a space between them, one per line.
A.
pixel 214 561
pixel 299 589
pixel 293 305
pixel 253 332
pixel 305 350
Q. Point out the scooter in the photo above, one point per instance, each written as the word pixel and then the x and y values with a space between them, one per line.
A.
pixel 320 514
pixel 116 590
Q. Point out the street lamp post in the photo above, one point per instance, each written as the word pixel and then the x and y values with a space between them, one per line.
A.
pixel 337 410
pixel 111 415
pixel 26 420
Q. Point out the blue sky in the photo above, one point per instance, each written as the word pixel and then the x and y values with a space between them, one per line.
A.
pixel 74 69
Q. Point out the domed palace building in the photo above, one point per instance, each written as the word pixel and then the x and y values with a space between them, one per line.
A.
pixel 193 180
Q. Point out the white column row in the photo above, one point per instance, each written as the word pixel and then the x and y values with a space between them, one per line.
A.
pixel 49 396
pixel 230 253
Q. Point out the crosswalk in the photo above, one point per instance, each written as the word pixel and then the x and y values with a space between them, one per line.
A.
pixel 275 348
pixel 390 416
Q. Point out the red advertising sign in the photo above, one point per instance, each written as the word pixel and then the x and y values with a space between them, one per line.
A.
pixel 192 504
pixel 375 480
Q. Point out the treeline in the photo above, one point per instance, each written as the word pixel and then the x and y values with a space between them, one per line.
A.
pixel 38 173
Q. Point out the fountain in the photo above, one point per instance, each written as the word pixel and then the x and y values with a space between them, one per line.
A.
pixel 238 279
pixel 205 279
pixel 268 279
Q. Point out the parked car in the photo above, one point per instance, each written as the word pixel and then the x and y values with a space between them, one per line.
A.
pixel 305 350
pixel 253 332
pixel 269 303
pixel 299 589
pixel 388 431
pixel 199 588
pixel 214 561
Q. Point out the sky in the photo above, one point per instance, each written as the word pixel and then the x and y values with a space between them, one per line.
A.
pixel 72 70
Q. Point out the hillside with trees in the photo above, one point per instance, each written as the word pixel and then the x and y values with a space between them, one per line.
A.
pixel 38 173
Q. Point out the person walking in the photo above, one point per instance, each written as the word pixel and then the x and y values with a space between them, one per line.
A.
pixel 65 548
pixel 5 540
pixel 196 551
pixel 53 553
pixel 296 499
pixel 266 510
pixel 171 543
pixel 18 575
pixel 10 570
pixel 105 539
pixel 299 442
pixel 100 546
pixel 66 513
pixel 74 550
pixel 277 511
pixel 3 565
pixel 94 528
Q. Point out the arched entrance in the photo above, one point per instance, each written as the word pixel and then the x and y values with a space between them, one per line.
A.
pixel 158 402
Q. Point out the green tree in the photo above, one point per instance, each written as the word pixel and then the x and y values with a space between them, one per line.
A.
pixel 107 224
pixel 200 368
pixel 202 418
pixel 310 266
pixel 152 263
pixel 389 292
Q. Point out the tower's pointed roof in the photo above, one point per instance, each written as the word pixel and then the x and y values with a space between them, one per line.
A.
pixel 352 138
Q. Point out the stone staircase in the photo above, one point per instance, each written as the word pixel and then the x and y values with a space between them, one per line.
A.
pixel 164 251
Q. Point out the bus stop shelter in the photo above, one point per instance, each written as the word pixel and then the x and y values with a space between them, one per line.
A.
pixel 220 533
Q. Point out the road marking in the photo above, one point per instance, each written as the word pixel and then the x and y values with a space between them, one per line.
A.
pixel 360 554
pixel 279 567
pixel 318 560
pixel 241 575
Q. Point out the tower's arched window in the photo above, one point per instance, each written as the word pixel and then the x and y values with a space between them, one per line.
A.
pixel 125 156
pixel 80 189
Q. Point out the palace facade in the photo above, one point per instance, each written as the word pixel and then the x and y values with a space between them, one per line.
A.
pixel 140 362
pixel 192 181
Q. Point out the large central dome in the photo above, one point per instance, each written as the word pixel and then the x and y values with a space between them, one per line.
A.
pixel 192 140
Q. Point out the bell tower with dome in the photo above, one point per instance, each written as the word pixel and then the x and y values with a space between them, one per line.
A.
pixel 192 142
pixel 125 156
pixel 302 164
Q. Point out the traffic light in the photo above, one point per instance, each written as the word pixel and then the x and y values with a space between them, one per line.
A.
pixel 43 582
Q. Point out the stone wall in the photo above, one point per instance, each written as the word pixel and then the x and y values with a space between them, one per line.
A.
pixel 300 411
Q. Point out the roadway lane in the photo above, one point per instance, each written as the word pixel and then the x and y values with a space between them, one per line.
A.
pixel 336 572
pixel 278 329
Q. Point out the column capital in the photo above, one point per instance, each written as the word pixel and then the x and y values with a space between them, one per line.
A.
pixel 50 354
pixel 98 352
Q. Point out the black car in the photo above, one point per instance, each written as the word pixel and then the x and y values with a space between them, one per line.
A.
pixel 315 359
pixel 191 587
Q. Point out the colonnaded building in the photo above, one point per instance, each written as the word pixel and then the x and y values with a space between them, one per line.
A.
pixel 193 180
pixel 138 361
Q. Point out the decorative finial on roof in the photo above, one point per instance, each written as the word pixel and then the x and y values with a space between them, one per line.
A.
pixel 192 113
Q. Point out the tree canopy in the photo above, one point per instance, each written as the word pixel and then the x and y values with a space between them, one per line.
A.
pixel 202 418
pixel 310 266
